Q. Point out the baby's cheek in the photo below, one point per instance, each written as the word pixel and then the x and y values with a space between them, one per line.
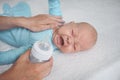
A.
pixel 67 49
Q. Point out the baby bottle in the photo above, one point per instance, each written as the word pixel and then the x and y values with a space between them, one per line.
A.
pixel 41 51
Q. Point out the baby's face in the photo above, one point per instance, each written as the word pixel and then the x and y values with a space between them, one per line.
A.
pixel 73 37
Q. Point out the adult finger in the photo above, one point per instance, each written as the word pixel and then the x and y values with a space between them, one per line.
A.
pixel 54 23
pixel 57 19
pixel 44 27
pixel 24 57
pixel 46 64
pixel 49 63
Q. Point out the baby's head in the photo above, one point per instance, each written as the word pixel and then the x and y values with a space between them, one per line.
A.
pixel 74 37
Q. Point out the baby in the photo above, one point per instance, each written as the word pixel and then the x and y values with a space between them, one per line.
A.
pixel 69 38
pixel 74 37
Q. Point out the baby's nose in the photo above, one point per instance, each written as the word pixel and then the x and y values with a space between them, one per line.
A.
pixel 67 40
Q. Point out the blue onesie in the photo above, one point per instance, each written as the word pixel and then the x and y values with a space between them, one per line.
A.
pixel 20 38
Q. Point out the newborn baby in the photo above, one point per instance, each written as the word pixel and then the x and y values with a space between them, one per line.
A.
pixel 74 37
pixel 69 38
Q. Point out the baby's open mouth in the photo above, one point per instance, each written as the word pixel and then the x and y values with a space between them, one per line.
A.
pixel 61 41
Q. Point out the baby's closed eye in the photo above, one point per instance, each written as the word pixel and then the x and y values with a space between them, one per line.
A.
pixel 72 32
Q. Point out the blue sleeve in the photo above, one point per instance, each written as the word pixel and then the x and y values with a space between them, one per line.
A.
pixel 54 8
pixel 15 37
pixel 8 57
pixel 20 9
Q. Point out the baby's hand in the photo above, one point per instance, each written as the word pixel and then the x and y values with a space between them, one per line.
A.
pixel 42 22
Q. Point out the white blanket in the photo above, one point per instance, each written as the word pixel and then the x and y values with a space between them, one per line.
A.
pixel 102 62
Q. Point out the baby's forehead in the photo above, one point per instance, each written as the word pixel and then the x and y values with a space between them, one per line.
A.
pixel 84 32
pixel 83 27
pixel 79 26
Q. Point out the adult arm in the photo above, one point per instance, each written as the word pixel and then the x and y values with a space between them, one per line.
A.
pixel 23 69
pixel 34 23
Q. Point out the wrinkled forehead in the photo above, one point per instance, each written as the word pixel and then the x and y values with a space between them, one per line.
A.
pixel 75 26
pixel 78 27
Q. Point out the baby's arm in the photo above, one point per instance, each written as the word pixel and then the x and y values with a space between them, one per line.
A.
pixel 8 57
pixel 54 8
pixel 15 37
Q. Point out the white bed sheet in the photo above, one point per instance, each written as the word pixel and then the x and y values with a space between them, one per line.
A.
pixel 102 62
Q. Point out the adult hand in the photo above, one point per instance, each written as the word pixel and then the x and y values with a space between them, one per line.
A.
pixel 23 69
pixel 35 23
pixel 42 22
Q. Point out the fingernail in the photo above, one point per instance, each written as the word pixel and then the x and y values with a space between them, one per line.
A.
pixel 60 25
pixel 62 22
